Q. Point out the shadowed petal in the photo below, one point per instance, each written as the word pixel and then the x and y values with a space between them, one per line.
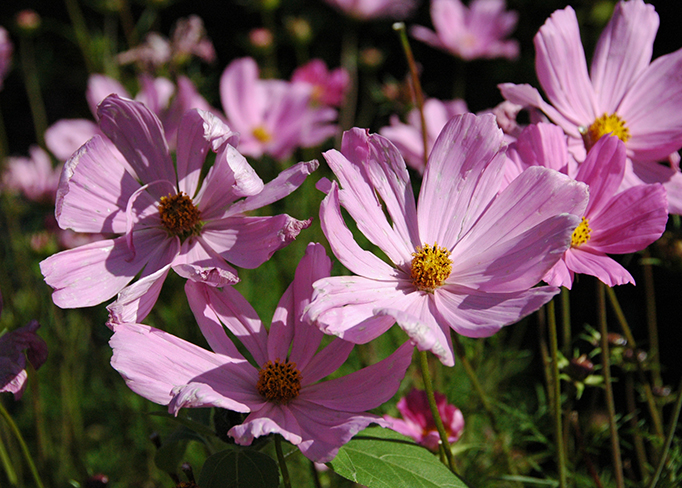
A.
pixel 599 265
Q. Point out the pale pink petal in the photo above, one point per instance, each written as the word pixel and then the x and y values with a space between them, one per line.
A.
pixel 646 173
pixel 540 145
pixel 345 306
pixel 248 242
pixel 196 261
pixel 101 86
pixel 154 363
pixel 652 110
pixel 135 301
pixel 562 70
pixel 599 265
pixel 270 419
pixel 631 221
pixel 212 306
pixel 283 185
pixel 155 93
pixel 242 95
pixel 326 361
pixel 623 52
pixel 559 275
pixel 462 176
pixel 364 389
pixel 94 190
pixel 91 274
pixel 186 99
pixel 138 134
pixel 479 314
pixel 65 136
pixel 603 171
pixel 408 140
pixel 192 149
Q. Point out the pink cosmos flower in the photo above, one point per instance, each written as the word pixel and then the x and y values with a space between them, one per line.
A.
pixel 328 87
pixel 272 116
pixel 624 92
pixel 165 219
pixel 13 359
pixel 408 137
pixel 418 423
pixel 284 393
pixel 375 9
pixel 34 177
pixel 464 258
pixel 471 33
pixel 613 222
pixel 6 49
pixel 65 136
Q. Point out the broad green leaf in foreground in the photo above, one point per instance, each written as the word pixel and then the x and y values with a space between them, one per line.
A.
pixel 382 458
pixel 239 468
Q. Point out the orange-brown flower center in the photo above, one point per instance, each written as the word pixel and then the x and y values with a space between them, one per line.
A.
pixel 179 216
pixel 279 382
pixel 581 234
pixel 431 266
pixel 262 134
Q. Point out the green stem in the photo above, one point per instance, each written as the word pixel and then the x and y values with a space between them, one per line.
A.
pixel 565 321
pixel 651 402
pixel 399 27
pixel 35 97
pixel 652 325
pixel 428 386
pixel 556 388
pixel 606 367
pixel 282 462
pixel 81 30
pixel 315 475
pixel 669 437
pixel 24 448
pixel 638 442
pixel 7 464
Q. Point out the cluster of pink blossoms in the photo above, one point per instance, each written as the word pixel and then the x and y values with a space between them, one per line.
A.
pixel 491 222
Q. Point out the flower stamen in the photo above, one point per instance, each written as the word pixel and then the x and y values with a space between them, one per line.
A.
pixel 581 234
pixel 608 124
pixel 261 134
pixel 179 216
pixel 279 382
pixel 431 266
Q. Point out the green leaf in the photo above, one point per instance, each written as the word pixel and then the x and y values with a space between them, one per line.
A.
pixel 171 452
pixel 382 458
pixel 239 468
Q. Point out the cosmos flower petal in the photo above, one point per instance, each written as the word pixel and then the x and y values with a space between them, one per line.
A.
pixel 652 110
pixel 639 173
pixel 153 363
pixel 364 389
pixel 599 265
pixel 15 347
pixel 631 221
pixel 212 306
pixel 248 242
pixel 559 275
pixel 135 301
pixel 343 244
pixel 192 149
pixel 99 87
pixel 270 419
pixel 93 273
pixel 562 70
pixel 326 361
pixel 241 94
pixel 138 134
pixel 197 261
pixel 479 314
pixel 463 174
pixel 603 171
pixel 65 136
pixel 623 51
pixel 94 190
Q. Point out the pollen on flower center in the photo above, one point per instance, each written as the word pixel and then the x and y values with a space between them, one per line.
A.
pixel 261 134
pixel 431 265
pixel 279 382
pixel 608 124
pixel 581 234
pixel 179 216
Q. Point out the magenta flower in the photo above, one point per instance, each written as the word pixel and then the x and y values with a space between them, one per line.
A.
pixel 471 33
pixel 284 394
pixel 418 423
pixel 375 9
pixel 34 177
pixel 15 347
pixel 6 49
pixel 613 223
pixel 408 137
pixel 624 93
pixel 328 87
pixel 164 218
pixel 272 116
pixel 464 258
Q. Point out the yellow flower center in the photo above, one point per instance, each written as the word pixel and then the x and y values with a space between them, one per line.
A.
pixel 581 234
pixel 261 134
pixel 431 266
pixel 607 124
pixel 179 215
pixel 279 383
